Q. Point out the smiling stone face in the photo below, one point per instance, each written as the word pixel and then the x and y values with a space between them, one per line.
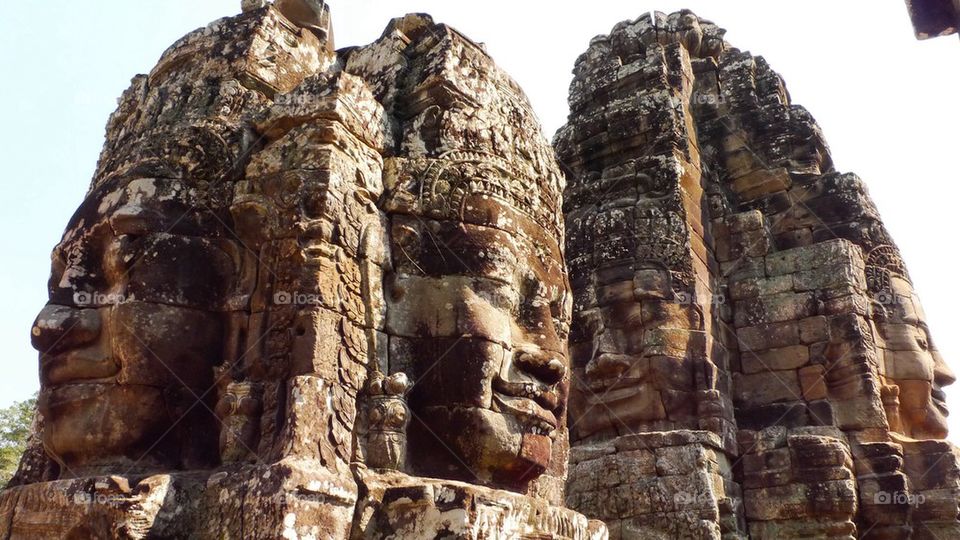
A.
pixel 912 363
pixel 479 310
pixel 130 336
pixel 635 371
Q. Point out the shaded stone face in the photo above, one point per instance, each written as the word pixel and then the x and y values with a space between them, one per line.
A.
pixel 626 362
pixel 366 340
pixel 912 363
pixel 483 315
pixel 130 336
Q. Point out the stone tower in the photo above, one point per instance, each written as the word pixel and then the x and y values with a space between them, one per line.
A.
pixel 355 293
pixel 310 294
pixel 749 356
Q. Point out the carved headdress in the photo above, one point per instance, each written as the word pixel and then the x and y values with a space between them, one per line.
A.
pixel 458 185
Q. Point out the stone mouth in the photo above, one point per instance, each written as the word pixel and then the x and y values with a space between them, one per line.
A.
pixel 618 390
pixel 77 367
pixel 546 396
pixel 66 394
pixel 939 400
pixel 528 412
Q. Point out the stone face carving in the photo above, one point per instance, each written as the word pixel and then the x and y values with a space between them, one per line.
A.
pixel 113 381
pixel 730 286
pixel 485 347
pixel 911 363
pixel 348 294
pixel 279 239
pixel 146 257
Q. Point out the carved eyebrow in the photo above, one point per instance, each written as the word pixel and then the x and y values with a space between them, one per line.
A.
pixel 135 220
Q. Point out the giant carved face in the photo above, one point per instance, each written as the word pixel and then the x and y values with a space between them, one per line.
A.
pixel 130 335
pixel 478 311
pixel 912 363
pixel 632 373
pixel 631 343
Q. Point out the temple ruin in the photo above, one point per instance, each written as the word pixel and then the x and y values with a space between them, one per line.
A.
pixel 346 294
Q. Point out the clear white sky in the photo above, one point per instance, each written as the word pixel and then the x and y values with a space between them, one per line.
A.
pixel 887 103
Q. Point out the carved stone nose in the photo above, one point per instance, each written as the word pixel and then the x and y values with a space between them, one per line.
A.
pixel 942 374
pixel 603 366
pixel 543 365
pixel 59 327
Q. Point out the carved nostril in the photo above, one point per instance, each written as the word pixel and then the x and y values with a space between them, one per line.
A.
pixel 60 327
pixel 557 368
pixel 608 365
pixel 546 368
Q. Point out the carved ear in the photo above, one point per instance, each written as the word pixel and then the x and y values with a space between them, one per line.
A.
pixel 652 279
pixel 879 311
pixel 253 219
pixel 406 236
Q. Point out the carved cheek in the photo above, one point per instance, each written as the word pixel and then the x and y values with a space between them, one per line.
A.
pixel 612 341
pixel 182 271
pixel 159 345
pixel 453 372
pixel 900 337
pixel 909 365
pixel 915 396
pixel 478 316
pixel 423 307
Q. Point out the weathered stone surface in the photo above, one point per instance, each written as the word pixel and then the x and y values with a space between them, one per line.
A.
pixel 345 294
pixel 814 340
pixel 309 293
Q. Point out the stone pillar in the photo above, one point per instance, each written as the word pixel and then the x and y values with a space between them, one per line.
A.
pixel 818 359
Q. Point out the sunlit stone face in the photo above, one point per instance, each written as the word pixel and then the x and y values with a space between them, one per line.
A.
pixel 912 363
pixel 479 309
pixel 131 333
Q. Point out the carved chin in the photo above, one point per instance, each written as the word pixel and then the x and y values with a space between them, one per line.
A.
pixel 494 446
pixel 937 420
pixel 929 423
pixel 101 423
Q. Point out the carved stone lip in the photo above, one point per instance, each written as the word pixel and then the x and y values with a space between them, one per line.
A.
pixel 65 394
pixel 939 400
pixel 77 367
pixel 614 390
pixel 546 396
pixel 528 410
